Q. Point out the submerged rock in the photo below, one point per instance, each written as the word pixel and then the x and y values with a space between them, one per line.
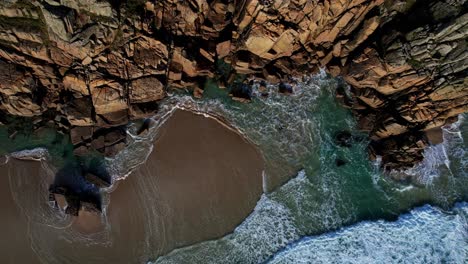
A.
pixel 344 139
pixel 262 88
pixel 340 162
pixel 145 126
pixel 241 92
pixel 285 88
pixel 97 180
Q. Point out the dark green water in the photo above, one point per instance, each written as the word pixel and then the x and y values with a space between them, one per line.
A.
pixel 20 135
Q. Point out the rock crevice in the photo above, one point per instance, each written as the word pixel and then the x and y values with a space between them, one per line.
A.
pixel 98 64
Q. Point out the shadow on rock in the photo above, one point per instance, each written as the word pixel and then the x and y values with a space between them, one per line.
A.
pixel 77 186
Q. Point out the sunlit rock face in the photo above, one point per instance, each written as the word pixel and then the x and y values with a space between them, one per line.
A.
pixel 99 64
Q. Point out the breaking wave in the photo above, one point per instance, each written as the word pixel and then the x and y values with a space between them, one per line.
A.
pixel 425 235
pixel 438 158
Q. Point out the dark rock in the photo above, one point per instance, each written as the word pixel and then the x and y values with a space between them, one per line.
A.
pixel 80 134
pixel 340 162
pixel 344 139
pixel 107 141
pixel 147 123
pixel 51 197
pixel 98 143
pixel 98 181
pixel 70 184
pixel 435 135
pixel 241 90
pixel 141 110
pixel 57 190
pixel 78 112
pixel 285 88
pixel 113 119
pixel 111 151
pixel 115 135
pixel 81 151
pixel 73 206
pixel 263 89
pixel 402 151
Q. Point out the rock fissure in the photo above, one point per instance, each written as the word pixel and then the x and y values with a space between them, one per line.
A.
pixel 405 61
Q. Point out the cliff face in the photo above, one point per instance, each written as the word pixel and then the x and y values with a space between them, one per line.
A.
pixel 91 66
pixel 411 79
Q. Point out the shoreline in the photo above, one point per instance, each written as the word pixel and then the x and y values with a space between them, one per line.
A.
pixel 157 162
pixel 167 212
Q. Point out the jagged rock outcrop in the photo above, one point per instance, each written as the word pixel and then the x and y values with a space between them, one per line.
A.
pixel 411 79
pixel 94 65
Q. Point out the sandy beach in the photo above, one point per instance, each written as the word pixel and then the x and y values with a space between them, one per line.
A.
pixel 15 246
pixel 201 181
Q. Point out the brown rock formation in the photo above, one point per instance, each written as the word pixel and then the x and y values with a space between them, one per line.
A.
pixel 98 64
pixel 411 78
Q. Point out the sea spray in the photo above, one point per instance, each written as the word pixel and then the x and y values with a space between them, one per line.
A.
pixel 425 235
pixel 36 154
pixel 438 156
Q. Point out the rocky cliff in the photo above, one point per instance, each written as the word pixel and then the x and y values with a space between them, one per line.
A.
pixel 90 66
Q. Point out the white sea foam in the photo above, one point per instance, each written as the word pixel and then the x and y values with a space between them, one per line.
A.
pixel 438 157
pixel 425 235
pixel 428 169
pixel 36 154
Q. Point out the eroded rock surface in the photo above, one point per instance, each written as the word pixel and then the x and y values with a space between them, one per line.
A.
pixel 91 66
pixel 411 79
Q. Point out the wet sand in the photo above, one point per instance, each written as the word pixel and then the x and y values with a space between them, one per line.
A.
pixel 88 222
pixel 15 246
pixel 201 180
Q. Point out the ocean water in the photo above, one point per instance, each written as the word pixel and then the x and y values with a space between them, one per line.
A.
pixel 425 235
pixel 296 134
pixel 310 205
